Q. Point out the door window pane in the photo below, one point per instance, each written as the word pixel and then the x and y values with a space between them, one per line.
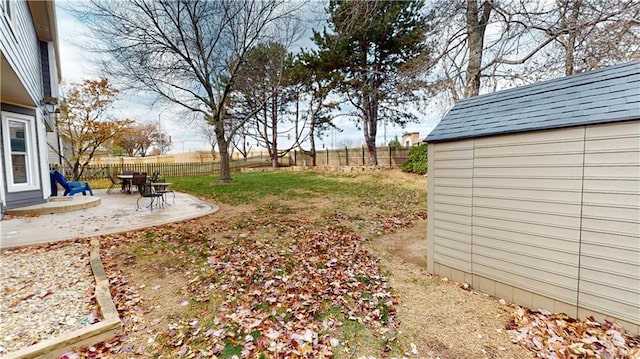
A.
pixel 17 132
pixel 19 165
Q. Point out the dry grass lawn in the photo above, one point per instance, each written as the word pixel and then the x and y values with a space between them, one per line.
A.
pixel 169 296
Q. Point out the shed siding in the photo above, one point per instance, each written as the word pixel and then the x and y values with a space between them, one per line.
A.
pixel 453 166
pixel 610 261
pixel 500 210
pixel 552 212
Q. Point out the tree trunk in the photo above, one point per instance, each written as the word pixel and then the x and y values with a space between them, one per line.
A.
pixel 475 37
pixel 76 170
pixel 312 141
pixel 223 146
pixel 274 130
pixel 371 150
pixel 274 147
pixel 274 155
pixel 572 28
pixel 370 126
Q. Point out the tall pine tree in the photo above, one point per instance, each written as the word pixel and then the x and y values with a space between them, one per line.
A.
pixel 370 44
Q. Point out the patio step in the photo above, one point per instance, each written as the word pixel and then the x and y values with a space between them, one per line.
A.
pixel 57 205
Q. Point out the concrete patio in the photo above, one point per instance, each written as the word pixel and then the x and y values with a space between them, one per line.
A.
pixel 114 212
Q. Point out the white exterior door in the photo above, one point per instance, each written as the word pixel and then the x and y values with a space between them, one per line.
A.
pixel 20 152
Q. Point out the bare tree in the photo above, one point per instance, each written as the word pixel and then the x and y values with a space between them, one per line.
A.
pixel 316 101
pixel 242 141
pixel 210 134
pixel 137 139
pixel 161 142
pixel 262 94
pixel 585 34
pixel 477 20
pixel 482 45
pixel 186 52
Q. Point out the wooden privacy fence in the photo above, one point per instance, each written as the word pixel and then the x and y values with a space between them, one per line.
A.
pixel 387 157
pixel 171 169
pixel 165 169
pixel 187 157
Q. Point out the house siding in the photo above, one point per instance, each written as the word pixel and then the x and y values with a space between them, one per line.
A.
pixel 23 199
pixel 547 218
pixel 21 48
pixel 30 72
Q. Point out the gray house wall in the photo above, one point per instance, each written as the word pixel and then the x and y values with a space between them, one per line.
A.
pixel 30 72
pixel 20 45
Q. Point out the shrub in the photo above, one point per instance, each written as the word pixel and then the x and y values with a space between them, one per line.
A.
pixel 417 162
pixel 395 144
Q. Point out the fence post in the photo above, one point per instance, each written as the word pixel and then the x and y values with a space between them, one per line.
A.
pixel 390 157
pixel 362 155
pixel 327 157
pixel 346 155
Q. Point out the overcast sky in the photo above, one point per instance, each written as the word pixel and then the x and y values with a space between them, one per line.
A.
pixel 77 65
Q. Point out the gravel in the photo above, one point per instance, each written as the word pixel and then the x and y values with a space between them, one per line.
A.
pixel 44 292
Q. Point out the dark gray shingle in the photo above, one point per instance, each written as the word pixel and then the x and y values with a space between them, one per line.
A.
pixel 600 96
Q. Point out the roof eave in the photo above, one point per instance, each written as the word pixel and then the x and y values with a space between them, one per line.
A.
pixel 44 18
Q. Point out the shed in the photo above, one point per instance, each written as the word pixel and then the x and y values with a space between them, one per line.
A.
pixel 534 194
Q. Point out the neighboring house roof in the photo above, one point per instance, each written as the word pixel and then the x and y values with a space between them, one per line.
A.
pixel 605 95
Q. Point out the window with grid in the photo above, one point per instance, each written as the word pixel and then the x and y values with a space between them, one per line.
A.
pixel 20 152
pixel 7 7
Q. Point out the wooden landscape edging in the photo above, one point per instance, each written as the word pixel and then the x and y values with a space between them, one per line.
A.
pixel 110 326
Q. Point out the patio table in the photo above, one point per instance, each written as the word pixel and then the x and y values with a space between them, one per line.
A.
pixel 126 182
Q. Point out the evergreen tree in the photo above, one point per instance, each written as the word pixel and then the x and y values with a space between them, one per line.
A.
pixel 370 44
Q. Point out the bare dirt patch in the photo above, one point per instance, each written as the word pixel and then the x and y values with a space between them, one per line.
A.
pixel 438 317
pixel 409 245
pixel 163 305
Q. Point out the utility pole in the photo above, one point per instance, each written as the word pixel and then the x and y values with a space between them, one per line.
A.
pixel 384 122
pixel 160 131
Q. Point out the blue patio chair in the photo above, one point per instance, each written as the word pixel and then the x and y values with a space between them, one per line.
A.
pixel 72 187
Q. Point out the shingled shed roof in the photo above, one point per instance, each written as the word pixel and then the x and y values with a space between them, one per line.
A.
pixel 606 95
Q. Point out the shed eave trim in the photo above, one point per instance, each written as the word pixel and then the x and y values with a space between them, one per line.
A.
pixel 493 132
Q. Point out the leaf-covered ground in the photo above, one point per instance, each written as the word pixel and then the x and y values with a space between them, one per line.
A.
pixel 286 269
